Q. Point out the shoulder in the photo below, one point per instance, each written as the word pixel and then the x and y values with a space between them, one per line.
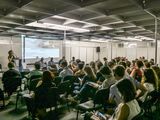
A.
pixel 125 109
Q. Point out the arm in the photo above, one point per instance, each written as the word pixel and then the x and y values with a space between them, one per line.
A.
pixel 142 88
pixel 133 73
pixel 124 112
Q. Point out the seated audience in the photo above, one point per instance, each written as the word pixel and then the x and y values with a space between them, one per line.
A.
pixel 80 73
pixel 119 74
pixel 42 63
pixel 93 66
pixel 128 108
pixel 66 70
pixel 7 77
pixel 137 71
pixel 36 98
pixel 90 75
pixel 36 71
pixel 149 81
pixel 51 62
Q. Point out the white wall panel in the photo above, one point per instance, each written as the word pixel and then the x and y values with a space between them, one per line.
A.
pixel 131 53
pixel 121 52
pixel 83 53
pixel 141 52
pixel 75 52
pixel 90 54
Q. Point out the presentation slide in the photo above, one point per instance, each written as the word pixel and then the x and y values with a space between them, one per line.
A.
pixel 37 48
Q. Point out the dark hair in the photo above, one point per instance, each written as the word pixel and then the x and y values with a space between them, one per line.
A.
pixel 150 76
pixel 47 77
pixel 123 64
pixel 105 70
pixel 119 71
pixel 10 51
pixel 80 65
pixel 127 90
pixel 147 64
pixel 64 63
pixel 111 64
pixel 139 63
pixel 128 63
pixel 37 65
pixel 10 65
pixel 99 64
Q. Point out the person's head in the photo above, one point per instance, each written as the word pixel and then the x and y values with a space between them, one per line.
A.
pixel 10 52
pixel 10 65
pixel 47 77
pixel 139 63
pixel 150 77
pixel 147 64
pixel 99 64
pixel 128 63
pixel 105 59
pixel 119 72
pixel 123 64
pixel 111 64
pixel 42 59
pixel 37 65
pixel 51 58
pixel 88 70
pixel 80 65
pixel 64 63
pixel 127 90
pixel 73 58
pixel 78 61
pixel 92 64
pixel 105 71
pixel 63 58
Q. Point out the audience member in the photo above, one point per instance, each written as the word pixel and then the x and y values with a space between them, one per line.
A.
pixel 137 71
pixel 66 70
pixel 11 72
pixel 36 71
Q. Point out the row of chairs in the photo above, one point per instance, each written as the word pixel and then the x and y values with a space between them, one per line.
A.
pixel 101 97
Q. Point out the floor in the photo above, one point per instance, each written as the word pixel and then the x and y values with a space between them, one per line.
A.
pixel 9 112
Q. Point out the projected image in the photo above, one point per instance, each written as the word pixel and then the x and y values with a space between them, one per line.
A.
pixel 40 48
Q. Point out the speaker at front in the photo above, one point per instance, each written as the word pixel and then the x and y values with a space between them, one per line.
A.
pixel 98 49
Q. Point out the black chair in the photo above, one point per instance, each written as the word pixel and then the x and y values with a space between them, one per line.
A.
pixel 33 83
pixel 57 80
pixel 64 87
pixel 12 84
pixel 100 100
pixel 2 98
pixel 150 100
pixel 0 67
pixel 140 116
pixel 35 77
pixel 48 98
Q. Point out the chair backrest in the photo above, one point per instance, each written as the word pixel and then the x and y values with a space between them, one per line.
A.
pixel 11 84
pixel 57 80
pixel 1 94
pixel 151 97
pixel 139 116
pixel 71 78
pixel 0 66
pixel 33 83
pixel 35 77
pixel 101 96
pixel 47 98
pixel 64 87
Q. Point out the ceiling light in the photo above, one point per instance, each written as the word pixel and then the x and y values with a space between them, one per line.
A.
pixel 57 27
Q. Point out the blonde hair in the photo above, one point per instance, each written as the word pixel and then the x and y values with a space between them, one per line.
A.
pixel 88 70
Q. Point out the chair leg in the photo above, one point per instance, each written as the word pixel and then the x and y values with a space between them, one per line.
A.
pixel 77 115
pixel 17 101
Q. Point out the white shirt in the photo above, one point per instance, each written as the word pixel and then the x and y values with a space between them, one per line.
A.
pixel 65 72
